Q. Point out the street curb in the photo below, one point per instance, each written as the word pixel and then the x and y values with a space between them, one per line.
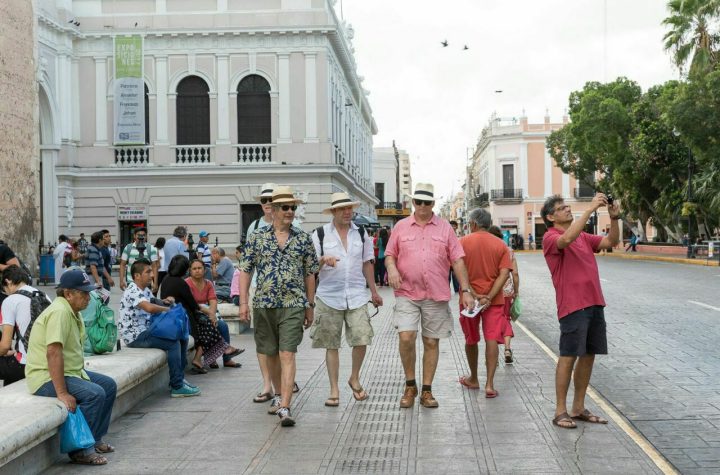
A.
pixel 676 260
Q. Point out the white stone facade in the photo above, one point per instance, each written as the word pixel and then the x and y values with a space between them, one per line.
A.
pixel 321 123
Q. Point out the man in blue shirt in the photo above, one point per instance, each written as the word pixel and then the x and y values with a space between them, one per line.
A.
pixel 203 253
pixel 176 244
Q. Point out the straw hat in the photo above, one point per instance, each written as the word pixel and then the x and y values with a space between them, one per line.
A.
pixel 266 191
pixel 340 200
pixel 284 194
pixel 424 191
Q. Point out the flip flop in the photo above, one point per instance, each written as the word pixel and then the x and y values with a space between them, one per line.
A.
pixel 92 459
pixel 233 354
pixel 357 391
pixel 232 364
pixel 332 402
pixel 195 369
pixel 491 394
pixel 104 448
pixel 587 416
pixel 463 381
pixel 214 366
pixel 296 388
pixel 564 417
pixel 262 397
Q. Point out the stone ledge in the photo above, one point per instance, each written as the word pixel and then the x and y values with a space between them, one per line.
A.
pixel 29 424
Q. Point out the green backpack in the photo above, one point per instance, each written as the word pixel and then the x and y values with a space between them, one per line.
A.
pixel 101 332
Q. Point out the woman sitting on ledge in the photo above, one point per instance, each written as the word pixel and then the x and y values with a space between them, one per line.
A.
pixel 209 345
pixel 204 294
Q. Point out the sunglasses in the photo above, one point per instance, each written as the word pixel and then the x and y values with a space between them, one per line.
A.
pixel 423 203
pixel 377 309
pixel 288 207
pixel 265 201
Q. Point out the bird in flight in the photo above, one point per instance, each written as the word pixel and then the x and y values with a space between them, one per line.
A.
pixel 444 43
pixel 465 48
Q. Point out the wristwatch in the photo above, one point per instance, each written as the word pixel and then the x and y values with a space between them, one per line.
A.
pixel 311 304
pixel 467 291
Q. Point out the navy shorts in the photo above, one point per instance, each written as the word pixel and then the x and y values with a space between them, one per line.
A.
pixel 583 332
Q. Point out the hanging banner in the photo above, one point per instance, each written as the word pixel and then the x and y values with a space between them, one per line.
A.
pixel 129 91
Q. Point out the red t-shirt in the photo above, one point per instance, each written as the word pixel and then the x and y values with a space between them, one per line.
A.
pixel 485 255
pixel 202 297
pixel 574 271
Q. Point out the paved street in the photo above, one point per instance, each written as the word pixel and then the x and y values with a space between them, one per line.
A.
pixel 223 431
pixel 663 370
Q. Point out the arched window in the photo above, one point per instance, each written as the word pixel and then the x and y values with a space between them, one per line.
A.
pixel 253 109
pixel 193 121
pixel 147 115
pixel 193 112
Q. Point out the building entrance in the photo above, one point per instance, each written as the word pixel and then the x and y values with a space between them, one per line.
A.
pixel 248 214
pixel 125 235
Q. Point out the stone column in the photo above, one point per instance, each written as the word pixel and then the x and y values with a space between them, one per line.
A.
pixel 285 135
pixel 101 126
pixel 311 134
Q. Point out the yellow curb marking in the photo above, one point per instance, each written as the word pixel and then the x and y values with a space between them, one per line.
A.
pixel 616 417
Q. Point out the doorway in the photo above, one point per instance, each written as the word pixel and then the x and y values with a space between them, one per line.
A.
pixel 125 236
pixel 248 214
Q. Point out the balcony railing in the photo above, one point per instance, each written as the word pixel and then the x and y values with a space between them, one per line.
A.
pixel 506 194
pixel 584 193
pixel 192 154
pixel 254 153
pixel 389 205
pixel 339 156
pixel 137 156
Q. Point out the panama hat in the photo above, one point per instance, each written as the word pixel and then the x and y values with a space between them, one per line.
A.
pixel 340 200
pixel 284 194
pixel 266 191
pixel 424 191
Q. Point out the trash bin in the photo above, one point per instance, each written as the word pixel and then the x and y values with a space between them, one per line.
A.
pixel 47 269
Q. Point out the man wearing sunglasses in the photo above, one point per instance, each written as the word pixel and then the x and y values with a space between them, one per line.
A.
pixel 418 257
pixel 285 261
pixel 138 249
pixel 570 255
pixel 346 268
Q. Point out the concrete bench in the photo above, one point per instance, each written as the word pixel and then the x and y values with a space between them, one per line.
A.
pixel 229 313
pixel 29 441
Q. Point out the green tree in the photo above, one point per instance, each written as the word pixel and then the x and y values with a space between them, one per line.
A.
pixel 693 35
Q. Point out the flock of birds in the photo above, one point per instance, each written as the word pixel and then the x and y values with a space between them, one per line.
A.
pixel 445 44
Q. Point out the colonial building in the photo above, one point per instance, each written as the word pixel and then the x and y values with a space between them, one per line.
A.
pixel 393 183
pixel 511 173
pixel 237 93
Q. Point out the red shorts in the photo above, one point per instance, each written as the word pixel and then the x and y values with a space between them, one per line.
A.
pixel 507 331
pixel 493 325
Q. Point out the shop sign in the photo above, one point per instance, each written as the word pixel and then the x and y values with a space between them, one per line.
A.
pixel 132 213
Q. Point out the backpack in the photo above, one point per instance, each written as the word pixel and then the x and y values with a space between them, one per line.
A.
pixel 321 235
pixel 101 332
pixel 38 303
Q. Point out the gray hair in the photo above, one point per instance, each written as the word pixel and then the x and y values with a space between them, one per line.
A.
pixel 180 232
pixel 481 218
pixel 219 250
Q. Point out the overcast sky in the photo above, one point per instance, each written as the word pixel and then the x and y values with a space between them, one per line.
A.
pixel 434 101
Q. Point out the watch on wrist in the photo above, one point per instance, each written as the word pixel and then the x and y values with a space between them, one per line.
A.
pixel 467 291
pixel 311 304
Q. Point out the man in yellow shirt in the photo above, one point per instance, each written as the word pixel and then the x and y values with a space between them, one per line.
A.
pixel 55 364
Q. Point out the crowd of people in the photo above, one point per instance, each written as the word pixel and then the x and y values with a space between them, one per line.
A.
pixel 288 281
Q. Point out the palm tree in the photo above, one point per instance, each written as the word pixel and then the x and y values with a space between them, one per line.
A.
pixel 694 34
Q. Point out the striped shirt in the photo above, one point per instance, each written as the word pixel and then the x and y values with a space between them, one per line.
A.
pixel 131 254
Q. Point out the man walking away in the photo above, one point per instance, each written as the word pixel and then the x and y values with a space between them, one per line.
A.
pixel 569 253
pixel 94 261
pixel 59 255
pixel 346 268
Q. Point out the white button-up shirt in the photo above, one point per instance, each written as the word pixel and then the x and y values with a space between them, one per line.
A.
pixel 343 287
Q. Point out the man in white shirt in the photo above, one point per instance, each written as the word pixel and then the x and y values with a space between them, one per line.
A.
pixel 59 254
pixel 16 317
pixel 346 258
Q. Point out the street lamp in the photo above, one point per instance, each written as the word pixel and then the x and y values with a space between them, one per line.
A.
pixel 691 215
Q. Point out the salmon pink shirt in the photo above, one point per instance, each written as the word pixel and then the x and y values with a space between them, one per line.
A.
pixel 423 255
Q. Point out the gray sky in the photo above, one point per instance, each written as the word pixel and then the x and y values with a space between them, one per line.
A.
pixel 434 101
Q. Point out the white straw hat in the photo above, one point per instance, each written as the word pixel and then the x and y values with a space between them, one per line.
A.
pixel 424 191
pixel 266 191
pixel 340 200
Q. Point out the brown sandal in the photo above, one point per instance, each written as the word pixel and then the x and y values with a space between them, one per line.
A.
pixel 104 448
pixel 91 459
pixel 564 418
pixel 357 391
pixel 332 402
pixel 587 416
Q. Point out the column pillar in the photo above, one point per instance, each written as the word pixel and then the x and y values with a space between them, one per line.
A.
pixel 284 98
pixel 101 126
pixel 548 174
pixel 48 157
pixel 65 88
pixel 311 135
pixel 161 90
pixel 223 91
pixel 566 186
pixel 524 170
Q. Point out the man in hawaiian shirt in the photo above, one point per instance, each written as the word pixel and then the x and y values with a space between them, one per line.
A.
pixel 284 257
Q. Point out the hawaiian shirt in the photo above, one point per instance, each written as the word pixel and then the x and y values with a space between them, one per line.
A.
pixel 133 320
pixel 280 272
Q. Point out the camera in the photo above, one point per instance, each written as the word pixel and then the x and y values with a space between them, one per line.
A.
pixel 610 199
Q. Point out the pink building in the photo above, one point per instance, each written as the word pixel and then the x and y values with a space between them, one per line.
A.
pixel 511 173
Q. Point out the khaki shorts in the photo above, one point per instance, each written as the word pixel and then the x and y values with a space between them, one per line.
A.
pixel 433 316
pixel 327 327
pixel 278 329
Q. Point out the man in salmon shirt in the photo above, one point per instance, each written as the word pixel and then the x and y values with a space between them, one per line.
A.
pixel 418 257
pixel 488 263
pixel 569 253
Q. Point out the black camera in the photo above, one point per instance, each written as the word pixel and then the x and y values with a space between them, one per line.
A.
pixel 610 199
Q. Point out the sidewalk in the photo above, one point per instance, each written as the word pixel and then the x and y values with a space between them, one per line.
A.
pixel 223 431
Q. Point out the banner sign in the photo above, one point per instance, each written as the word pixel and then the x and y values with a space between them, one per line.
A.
pixel 129 91
pixel 132 213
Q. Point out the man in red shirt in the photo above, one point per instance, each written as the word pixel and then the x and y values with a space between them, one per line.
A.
pixel 488 263
pixel 569 253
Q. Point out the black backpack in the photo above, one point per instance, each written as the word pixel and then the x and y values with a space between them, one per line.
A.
pixel 321 235
pixel 38 303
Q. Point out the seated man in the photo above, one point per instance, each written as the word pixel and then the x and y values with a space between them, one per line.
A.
pixel 136 306
pixel 55 364
pixel 222 272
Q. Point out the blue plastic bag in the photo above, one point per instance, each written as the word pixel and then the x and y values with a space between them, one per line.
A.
pixel 75 433
pixel 171 325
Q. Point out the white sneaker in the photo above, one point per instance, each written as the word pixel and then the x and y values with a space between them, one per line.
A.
pixel 274 405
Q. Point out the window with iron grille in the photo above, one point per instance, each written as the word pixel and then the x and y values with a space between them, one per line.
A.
pixel 253 110
pixel 193 112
